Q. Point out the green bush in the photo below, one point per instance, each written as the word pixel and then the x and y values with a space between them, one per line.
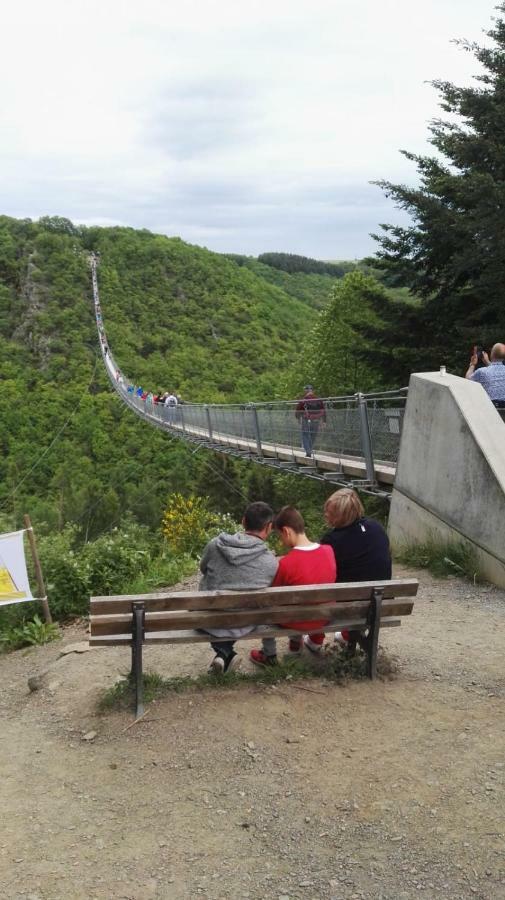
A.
pixel 29 634
pixel 64 574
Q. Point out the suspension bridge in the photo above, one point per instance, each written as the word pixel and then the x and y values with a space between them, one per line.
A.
pixel 356 446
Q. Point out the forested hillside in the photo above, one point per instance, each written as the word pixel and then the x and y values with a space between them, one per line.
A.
pixel 313 288
pixel 178 317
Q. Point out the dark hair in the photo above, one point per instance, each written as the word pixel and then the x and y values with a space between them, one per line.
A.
pixel 289 517
pixel 257 516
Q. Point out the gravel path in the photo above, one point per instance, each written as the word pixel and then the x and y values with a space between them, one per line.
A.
pixel 382 791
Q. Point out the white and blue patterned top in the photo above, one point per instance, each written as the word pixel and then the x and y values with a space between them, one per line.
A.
pixel 492 379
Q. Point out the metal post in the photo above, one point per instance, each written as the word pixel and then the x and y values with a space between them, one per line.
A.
pixel 38 570
pixel 373 632
pixel 256 427
pixel 366 442
pixel 138 620
pixel 179 407
pixel 209 423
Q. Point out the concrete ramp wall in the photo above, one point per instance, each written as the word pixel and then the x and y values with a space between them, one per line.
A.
pixel 450 479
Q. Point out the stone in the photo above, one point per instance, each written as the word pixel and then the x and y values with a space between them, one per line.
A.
pixel 80 647
pixel 38 682
pixel 89 736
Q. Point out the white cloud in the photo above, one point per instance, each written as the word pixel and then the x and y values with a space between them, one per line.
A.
pixel 242 126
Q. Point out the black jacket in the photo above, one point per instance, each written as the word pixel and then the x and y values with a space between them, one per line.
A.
pixel 361 551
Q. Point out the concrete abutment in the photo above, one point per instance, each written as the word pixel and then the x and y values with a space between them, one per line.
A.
pixel 450 479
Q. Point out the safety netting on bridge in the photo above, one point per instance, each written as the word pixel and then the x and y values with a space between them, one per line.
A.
pixel 358 437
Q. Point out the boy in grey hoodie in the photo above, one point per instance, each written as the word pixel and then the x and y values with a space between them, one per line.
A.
pixel 238 562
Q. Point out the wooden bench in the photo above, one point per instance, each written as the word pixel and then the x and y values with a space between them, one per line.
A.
pixel 173 618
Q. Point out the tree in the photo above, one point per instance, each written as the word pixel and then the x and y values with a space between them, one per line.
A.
pixel 333 358
pixel 452 257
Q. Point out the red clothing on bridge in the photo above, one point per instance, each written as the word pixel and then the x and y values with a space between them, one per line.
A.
pixel 311 408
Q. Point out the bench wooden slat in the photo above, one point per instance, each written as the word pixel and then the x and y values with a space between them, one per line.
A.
pixel 205 600
pixel 174 621
pixel 192 636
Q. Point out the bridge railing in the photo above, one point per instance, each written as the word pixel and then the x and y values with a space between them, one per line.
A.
pixel 358 426
pixel 272 427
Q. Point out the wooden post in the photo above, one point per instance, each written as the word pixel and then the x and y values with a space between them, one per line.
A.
pixel 38 570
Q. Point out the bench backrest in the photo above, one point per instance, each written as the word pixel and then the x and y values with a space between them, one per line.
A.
pixel 342 604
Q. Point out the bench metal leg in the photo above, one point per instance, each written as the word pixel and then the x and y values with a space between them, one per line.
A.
pixel 138 612
pixel 372 641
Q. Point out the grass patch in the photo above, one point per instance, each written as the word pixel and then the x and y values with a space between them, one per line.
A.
pixel 334 666
pixel 443 558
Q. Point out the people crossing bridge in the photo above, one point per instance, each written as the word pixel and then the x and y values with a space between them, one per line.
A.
pixel 349 440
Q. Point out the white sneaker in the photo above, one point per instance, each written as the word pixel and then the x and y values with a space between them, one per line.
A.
pixel 217 666
pixel 310 645
pixel 220 666
pixel 340 639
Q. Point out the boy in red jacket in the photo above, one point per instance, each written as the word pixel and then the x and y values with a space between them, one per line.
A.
pixel 306 563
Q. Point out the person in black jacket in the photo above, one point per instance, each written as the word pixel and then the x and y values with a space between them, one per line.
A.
pixel 360 544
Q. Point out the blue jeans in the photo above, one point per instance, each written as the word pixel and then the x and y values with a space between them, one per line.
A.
pixel 309 433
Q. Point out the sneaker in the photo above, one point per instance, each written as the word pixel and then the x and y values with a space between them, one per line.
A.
pixel 261 659
pixel 232 663
pixel 340 639
pixel 311 645
pixel 221 664
pixel 217 666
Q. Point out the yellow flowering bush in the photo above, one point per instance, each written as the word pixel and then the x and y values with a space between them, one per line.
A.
pixel 188 523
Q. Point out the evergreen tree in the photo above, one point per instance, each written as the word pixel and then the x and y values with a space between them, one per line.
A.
pixel 452 257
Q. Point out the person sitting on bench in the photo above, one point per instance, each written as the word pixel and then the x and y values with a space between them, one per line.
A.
pixel 360 544
pixel 306 563
pixel 237 562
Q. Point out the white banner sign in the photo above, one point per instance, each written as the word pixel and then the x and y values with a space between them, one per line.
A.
pixel 14 584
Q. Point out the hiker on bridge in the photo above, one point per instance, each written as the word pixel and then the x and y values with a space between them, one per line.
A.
pixel 171 404
pixel 311 412
pixel 492 375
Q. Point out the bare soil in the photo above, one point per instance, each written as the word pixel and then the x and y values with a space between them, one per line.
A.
pixel 389 790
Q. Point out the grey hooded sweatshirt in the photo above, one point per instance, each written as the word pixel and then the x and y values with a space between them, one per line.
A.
pixel 236 562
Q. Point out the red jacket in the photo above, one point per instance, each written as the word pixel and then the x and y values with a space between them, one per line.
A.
pixel 311 408
pixel 310 566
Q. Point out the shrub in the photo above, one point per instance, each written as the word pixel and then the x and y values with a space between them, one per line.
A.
pixel 188 523
pixel 29 633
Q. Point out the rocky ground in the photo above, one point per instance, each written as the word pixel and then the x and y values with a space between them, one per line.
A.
pixel 364 791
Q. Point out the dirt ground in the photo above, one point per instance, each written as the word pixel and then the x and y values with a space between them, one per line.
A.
pixel 364 791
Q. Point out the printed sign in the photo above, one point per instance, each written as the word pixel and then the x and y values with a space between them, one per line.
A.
pixel 14 584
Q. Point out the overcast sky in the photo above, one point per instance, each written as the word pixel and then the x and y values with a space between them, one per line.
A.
pixel 241 126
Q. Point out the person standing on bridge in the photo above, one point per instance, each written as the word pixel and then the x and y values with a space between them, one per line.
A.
pixel 311 412
pixel 492 375
pixel 171 407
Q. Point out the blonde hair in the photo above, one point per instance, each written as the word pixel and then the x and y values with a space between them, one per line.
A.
pixel 343 508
